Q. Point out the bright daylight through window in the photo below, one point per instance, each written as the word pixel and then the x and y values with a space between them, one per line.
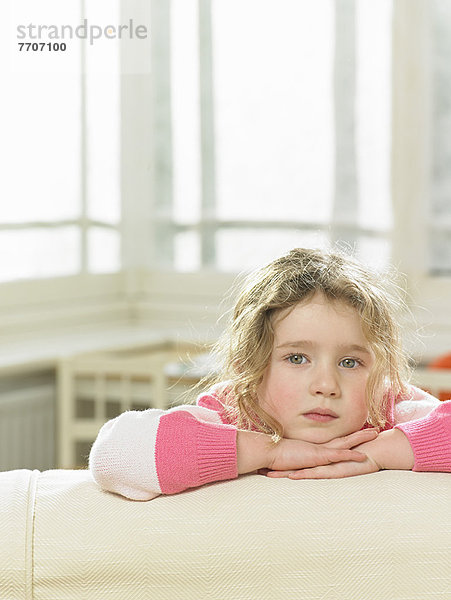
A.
pixel 60 194
pixel 271 128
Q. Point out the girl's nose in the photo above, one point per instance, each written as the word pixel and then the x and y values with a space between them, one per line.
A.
pixel 324 383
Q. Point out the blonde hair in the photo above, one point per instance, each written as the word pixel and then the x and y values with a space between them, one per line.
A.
pixel 245 349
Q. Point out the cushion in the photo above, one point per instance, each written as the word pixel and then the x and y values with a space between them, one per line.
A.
pixel 381 536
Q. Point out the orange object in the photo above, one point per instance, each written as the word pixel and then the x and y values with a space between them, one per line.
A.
pixel 442 362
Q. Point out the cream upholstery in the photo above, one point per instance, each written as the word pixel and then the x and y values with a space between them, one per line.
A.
pixel 380 536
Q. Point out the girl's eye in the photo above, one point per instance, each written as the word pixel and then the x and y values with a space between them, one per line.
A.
pixel 349 363
pixel 296 359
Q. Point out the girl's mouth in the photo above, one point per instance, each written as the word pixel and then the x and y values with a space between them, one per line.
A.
pixel 321 415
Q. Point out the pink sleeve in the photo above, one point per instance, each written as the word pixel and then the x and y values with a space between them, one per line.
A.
pixel 190 453
pixel 430 438
pixel 141 454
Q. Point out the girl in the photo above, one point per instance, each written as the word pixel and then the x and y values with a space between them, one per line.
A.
pixel 312 385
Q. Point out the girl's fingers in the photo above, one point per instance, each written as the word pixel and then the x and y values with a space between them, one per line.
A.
pixel 332 457
pixel 344 455
pixel 353 439
pixel 318 473
pixel 335 471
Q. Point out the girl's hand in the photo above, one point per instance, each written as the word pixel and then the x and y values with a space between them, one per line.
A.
pixel 257 451
pixel 288 452
pixel 391 450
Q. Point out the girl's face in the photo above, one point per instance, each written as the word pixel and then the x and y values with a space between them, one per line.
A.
pixel 315 382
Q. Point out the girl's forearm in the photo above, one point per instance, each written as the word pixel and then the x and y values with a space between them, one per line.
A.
pixel 253 451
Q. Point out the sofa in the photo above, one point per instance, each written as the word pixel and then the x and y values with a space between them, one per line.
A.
pixel 381 536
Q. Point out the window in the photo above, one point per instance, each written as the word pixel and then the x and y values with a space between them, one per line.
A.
pixel 60 123
pixel 280 131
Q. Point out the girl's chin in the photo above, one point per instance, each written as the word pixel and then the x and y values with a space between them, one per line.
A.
pixel 315 437
pixel 318 435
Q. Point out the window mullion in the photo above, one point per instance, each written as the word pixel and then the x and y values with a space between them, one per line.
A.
pixel 207 124
pixel 345 204
pixel 162 128
pixel 83 157
pixel 410 159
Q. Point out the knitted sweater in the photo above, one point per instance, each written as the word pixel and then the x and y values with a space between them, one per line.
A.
pixel 141 454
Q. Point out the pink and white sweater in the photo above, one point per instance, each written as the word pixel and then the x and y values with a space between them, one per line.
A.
pixel 141 454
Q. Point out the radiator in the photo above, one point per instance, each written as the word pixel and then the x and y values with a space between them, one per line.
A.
pixel 27 422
